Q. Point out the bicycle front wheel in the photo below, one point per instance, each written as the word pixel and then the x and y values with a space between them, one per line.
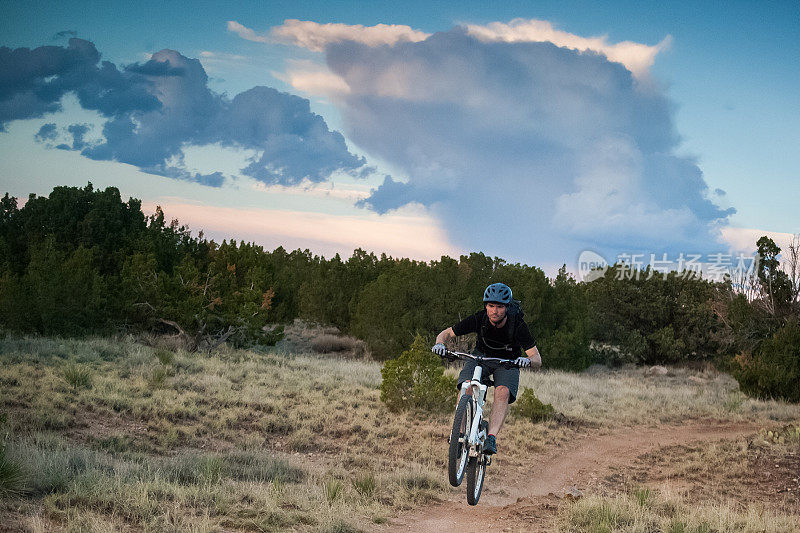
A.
pixel 476 470
pixel 459 447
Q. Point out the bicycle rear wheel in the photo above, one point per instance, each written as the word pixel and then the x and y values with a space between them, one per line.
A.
pixel 459 447
pixel 476 470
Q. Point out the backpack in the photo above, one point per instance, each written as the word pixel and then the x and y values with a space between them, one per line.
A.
pixel 514 313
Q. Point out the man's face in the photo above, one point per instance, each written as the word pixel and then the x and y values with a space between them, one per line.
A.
pixel 496 312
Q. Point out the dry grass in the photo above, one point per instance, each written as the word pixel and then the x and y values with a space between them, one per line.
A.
pixel 244 440
pixel 761 469
pixel 630 397
pixel 339 344
pixel 645 511
pixel 304 337
pixel 189 441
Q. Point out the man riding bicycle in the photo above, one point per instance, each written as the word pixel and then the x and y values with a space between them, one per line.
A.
pixel 500 334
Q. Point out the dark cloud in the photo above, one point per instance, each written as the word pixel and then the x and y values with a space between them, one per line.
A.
pixel 155 68
pixel 47 132
pixel 78 131
pixel 524 150
pixel 392 194
pixel 156 108
pixel 32 82
pixel 215 179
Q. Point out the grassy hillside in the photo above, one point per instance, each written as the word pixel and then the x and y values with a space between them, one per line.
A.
pixel 116 435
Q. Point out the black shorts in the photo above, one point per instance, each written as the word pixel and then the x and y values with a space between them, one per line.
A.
pixel 508 377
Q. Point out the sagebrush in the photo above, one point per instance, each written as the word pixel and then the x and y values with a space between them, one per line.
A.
pixel 416 381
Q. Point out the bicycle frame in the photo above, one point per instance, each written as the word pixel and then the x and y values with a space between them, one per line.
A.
pixel 477 389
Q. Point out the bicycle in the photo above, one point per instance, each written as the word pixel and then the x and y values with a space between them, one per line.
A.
pixel 465 455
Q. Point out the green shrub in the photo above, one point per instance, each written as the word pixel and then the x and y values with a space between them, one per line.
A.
pixel 773 370
pixel 566 350
pixel 416 380
pixel 528 406
pixel 78 376
pixel 12 477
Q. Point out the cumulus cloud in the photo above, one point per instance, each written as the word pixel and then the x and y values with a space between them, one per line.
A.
pixel 524 149
pixel 316 79
pixel 312 78
pixel 744 240
pixel 157 108
pixel 315 36
pixel 637 57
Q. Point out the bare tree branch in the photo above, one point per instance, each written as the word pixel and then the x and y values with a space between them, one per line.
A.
pixel 174 325
pixel 222 338
pixel 792 267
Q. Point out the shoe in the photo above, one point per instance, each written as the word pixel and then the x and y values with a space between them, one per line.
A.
pixel 490 445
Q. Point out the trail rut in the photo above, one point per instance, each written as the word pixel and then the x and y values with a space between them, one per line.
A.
pixel 551 474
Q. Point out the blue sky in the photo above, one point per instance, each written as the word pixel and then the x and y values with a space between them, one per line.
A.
pixel 722 89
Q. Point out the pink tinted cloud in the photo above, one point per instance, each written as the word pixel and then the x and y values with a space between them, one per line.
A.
pixel 410 233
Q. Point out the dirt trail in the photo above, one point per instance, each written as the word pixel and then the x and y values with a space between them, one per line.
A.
pixel 550 475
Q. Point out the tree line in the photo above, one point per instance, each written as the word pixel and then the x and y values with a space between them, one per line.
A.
pixel 83 261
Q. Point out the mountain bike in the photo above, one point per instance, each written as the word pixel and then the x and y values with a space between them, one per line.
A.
pixel 465 456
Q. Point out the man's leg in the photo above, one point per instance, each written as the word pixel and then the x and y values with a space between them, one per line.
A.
pixel 499 409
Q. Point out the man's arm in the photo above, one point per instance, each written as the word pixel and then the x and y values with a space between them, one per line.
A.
pixel 445 336
pixel 533 355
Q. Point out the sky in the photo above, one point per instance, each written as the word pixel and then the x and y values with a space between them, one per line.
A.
pixel 532 131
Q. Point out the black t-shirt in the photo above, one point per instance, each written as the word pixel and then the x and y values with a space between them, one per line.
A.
pixel 496 343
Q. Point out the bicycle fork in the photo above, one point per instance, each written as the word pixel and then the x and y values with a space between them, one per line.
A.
pixel 477 433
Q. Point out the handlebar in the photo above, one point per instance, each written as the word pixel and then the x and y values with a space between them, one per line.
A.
pixel 509 363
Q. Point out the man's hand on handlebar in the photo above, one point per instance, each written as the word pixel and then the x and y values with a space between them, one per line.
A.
pixel 440 350
pixel 523 362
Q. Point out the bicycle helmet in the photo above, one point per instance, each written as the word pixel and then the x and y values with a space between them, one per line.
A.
pixel 498 293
